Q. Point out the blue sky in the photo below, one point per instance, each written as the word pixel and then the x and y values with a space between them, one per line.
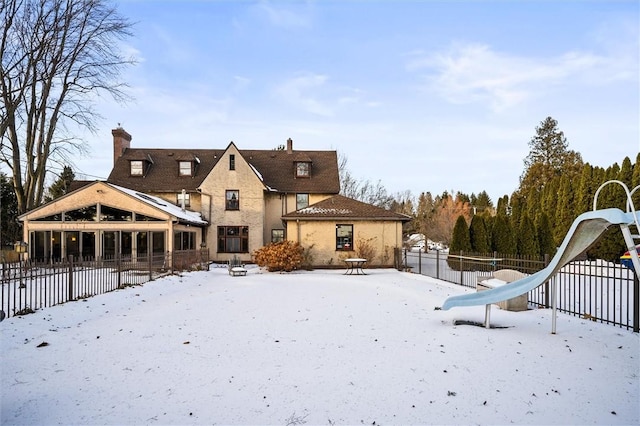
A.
pixel 419 95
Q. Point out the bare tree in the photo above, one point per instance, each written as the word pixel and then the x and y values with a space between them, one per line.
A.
pixel 57 56
pixel 364 191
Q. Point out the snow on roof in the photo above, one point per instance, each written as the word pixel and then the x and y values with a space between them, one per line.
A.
pixel 159 203
pixel 256 172
pixel 325 211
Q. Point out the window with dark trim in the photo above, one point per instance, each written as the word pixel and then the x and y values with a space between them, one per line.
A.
pixel 232 199
pixel 184 240
pixel 137 167
pixel 277 235
pixel 89 213
pixel 233 239
pixel 303 169
pixel 344 237
pixel 302 201
pixel 187 199
pixel 232 162
pixel 113 214
pixel 185 168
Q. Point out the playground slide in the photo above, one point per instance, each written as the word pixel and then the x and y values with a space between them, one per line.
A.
pixel 584 232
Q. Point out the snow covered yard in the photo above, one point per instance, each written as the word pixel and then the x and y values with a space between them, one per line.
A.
pixel 309 347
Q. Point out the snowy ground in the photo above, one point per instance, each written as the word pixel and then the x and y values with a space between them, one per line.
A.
pixel 309 347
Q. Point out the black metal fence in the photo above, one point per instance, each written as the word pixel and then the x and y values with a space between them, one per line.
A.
pixel 27 286
pixel 595 290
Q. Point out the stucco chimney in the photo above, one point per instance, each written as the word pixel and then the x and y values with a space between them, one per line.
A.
pixel 289 146
pixel 121 141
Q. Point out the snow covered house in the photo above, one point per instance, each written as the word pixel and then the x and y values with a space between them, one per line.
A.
pixel 229 200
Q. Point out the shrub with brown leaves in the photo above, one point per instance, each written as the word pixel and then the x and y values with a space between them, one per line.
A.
pixel 282 256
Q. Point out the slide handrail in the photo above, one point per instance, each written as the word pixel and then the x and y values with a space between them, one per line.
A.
pixel 629 204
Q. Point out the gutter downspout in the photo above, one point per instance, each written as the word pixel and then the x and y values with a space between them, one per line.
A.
pixel 206 234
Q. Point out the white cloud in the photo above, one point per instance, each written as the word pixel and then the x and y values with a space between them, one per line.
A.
pixel 241 83
pixel 283 17
pixel 302 92
pixel 469 73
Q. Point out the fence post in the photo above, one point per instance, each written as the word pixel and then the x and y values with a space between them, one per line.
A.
pixel 150 257
pixel 420 261
pixel 546 285
pixel 70 279
pixel 437 264
pixel 461 269
pixel 636 303
pixel 119 270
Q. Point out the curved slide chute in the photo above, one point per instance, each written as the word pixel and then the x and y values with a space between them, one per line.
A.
pixel 584 232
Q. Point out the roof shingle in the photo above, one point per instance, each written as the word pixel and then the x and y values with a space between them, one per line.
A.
pixel 276 168
pixel 341 207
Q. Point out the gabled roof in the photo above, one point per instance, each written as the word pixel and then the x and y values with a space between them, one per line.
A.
pixel 276 169
pixel 341 207
pixel 182 216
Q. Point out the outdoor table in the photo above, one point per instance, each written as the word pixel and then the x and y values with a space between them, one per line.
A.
pixel 354 266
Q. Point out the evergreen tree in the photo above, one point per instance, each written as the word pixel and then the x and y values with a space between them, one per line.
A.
pixel 548 157
pixel 546 243
pixel 549 199
pixel 527 237
pixel 625 175
pixel 584 195
pixel 10 226
pixel 611 245
pixel 635 181
pixel 61 185
pixel 478 235
pixel 517 206
pixel 503 240
pixel 565 213
pixel 461 241
pixel 503 206
pixel 533 204
pixel 483 204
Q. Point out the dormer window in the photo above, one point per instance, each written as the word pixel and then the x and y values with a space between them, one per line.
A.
pixel 137 167
pixel 303 169
pixel 185 168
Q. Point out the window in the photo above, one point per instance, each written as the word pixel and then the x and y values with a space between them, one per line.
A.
pixel 137 168
pixel 302 201
pixel 112 214
pixel 187 199
pixel 277 235
pixel 232 200
pixel 183 240
pixel 144 218
pixel 83 214
pixel 344 237
pixel 303 169
pixel 185 168
pixel 232 162
pixel 233 239
pixel 53 218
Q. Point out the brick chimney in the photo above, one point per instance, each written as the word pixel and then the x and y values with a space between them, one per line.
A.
pixel 289 146
pixel 121 141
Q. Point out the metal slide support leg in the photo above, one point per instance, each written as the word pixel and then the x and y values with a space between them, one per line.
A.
pixel 487 316
pixel 631 246
pixel 554 305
